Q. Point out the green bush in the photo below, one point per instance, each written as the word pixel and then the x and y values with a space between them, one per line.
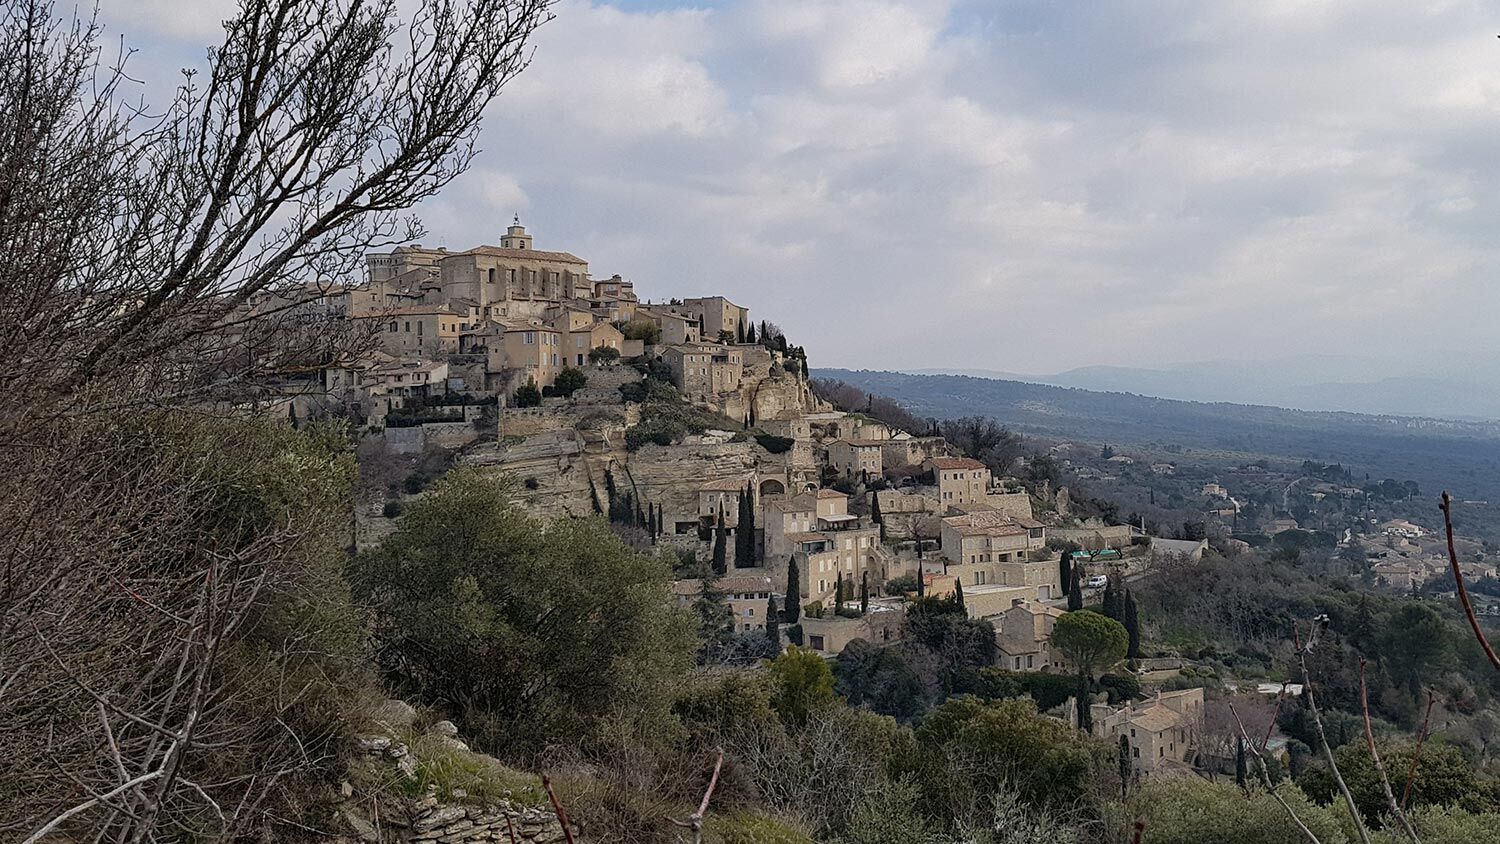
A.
pixel 569 381
pixel 479 607
pixel 527 395
pixel 392 509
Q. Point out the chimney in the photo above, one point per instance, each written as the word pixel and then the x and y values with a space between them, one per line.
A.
pixel 1016 602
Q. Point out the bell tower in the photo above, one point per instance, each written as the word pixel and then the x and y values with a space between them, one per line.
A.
pixel 515 235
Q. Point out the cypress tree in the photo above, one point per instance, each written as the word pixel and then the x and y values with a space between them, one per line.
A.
pixel 864 592
pixel 718 559
pixel 1064 570
pixel 750 333
pixel 838 592
pixel 958 595
pixel 773 624
pixel 921 579
pixel 1125 766
pixel 1239 761
pixel 1085 713
pixel 750 549
pixel 875 514
pixel 640 515
pixel 739 332
pixel 594 498
pixel 1075 590
pixel 793 594
pixel 1132 626
pixel 1112 606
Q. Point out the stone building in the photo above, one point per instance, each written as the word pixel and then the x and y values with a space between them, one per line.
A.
pixel 960 480
pixel 856 457
pixel 1163 731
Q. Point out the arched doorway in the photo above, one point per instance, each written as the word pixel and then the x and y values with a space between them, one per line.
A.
pixel 771 486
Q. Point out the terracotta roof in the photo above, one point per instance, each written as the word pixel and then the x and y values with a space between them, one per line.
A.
pixel 830 493
pixel 410 310
pixel 532 254
pixel 1155 719
pixel 995 523
pixel 806 537
pixel 956 463
pixel 743 583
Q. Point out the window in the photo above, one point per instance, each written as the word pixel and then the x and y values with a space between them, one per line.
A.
pixel 529 338
pixel 1136 752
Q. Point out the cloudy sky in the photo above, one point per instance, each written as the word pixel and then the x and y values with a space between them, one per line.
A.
pixel 1020 186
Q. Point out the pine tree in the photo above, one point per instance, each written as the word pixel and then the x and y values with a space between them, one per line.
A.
pixel 1125 766
pixel 1075 590
pixel 773 624
pixel 1132 627
pixel 793 594
pixel 875 514
pixel 864 592
pixel 958 595
pixel 1239 761
pixel 718 560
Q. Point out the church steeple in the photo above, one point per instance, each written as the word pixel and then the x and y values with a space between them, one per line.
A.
pixel 516 236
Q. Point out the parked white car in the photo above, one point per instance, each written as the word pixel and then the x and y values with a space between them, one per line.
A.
pixel 1097 581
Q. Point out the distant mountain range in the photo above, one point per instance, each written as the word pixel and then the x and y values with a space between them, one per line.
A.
pixel 1307 382
pixel 1461 455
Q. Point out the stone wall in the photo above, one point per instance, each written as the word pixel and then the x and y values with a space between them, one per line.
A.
pixel 376 814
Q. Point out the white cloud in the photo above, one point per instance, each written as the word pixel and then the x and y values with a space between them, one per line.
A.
pixel 944 182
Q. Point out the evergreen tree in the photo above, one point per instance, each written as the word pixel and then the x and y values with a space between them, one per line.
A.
pixel 1112 606
pixel 864 592
pixel 640 517
pixel 793 612
pixel 875 514
pixel 958 596
pixel 1085 702
pixel 838 592
pixel 750 333
pixel 1363 627
pixel 594 498
pixel 773 624
pixel 609 488
pixel 1125 766
pixel 739 532
pixel 1064 570
pixel 1132 627
pixel 718 564
pixel 921 578
pixel 1075 590
pixel 1239 761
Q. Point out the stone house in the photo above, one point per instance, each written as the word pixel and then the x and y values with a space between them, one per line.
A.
pixel 960 480
pixel 676 329
pixel 422 330
pixel 1023 636
pixel 817 531
pixel 831 633
pixel 984 537
pixel 721 496
pixel 1163 731
pixel 746 593
pixel 715 314
pixel 856 457
pixel 704 369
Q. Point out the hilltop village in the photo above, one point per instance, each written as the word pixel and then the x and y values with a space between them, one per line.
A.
pixel 694 428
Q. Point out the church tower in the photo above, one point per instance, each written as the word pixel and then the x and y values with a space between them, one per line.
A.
pixel 516 236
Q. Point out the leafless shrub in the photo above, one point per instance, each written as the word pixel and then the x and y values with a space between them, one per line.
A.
pixel 166 670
